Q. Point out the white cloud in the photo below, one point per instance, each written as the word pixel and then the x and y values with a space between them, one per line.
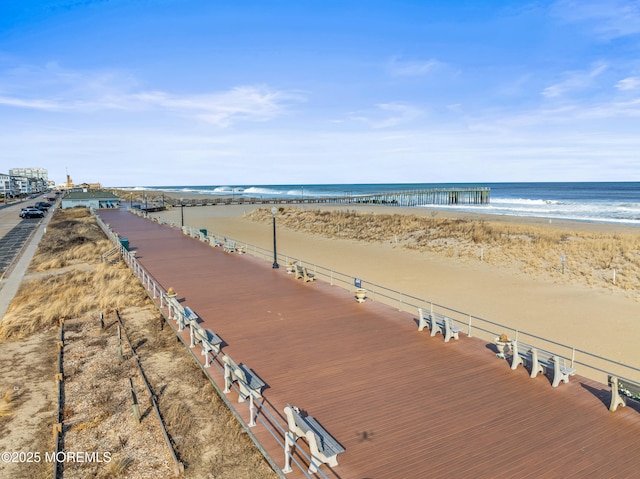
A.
pixel 574 81
pixel 630 83
pixel 608 19
pixel 387 115
pixel 397 67
pixel 54 89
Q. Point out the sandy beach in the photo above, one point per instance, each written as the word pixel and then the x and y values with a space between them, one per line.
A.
pixel 599 318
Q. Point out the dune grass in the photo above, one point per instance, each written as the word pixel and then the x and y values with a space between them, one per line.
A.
pixel 7 404
pixel 590 257
pixel 72 237
pixel 97 405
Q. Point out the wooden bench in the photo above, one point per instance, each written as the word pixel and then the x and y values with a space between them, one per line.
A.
pixel 322 445
pixel 189 314
pixel 229 246
pixel 215 242
pixel 621 390
pixel 208 340
pixel 249 384
pixel 302 273
pixel 540 361
pixel 437 323
pixel 248 381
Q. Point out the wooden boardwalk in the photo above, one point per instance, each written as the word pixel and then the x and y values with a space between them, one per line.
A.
pixel 402 403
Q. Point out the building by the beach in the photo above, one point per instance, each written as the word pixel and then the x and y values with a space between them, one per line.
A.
pixel 95 199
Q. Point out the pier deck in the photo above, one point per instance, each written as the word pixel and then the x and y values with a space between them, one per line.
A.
pixel 402 403
pixel 434 196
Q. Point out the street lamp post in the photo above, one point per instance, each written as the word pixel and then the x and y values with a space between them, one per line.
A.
pixel 275 253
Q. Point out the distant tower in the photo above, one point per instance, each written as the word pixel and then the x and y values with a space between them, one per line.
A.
pixel 69 181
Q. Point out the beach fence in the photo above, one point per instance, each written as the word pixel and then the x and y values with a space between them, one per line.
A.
pixel 180 320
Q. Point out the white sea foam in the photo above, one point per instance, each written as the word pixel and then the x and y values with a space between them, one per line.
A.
pixel 257 190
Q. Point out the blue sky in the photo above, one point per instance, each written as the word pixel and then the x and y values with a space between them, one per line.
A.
pixel 209 92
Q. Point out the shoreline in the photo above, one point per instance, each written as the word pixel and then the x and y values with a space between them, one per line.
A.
pixel 426 210
pixel 569 224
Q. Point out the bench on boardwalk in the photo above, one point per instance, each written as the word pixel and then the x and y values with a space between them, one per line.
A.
pixel 249 384
pixel 229 246
pixel 208 340
pixel 621 390
pixel 540 361
pixel 189 314
pixel 302 273
pixel 322 445
pixel 215 242
pixel 437 323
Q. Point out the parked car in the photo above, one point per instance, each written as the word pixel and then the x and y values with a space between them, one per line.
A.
pixel 43 205
pixel 31 212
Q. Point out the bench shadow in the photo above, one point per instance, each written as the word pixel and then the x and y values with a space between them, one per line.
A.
pixel 145 413
pixel 603 395
pixel 266 385
pixel 494 349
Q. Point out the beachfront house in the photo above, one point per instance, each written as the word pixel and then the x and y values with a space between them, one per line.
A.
pixel 91 199
pixel 6 191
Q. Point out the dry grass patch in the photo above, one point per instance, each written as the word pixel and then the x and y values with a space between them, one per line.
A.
pixel 42 302
pixel 7 404
pixel 72 237
pixel 208 439
pixel 590 257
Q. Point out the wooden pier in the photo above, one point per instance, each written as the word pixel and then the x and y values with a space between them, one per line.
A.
pixel 435 196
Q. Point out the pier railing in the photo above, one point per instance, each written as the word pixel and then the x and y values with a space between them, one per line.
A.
pixel 431 196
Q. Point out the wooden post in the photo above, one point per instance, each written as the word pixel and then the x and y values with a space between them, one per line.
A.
pixel 136 408
pixel 119 344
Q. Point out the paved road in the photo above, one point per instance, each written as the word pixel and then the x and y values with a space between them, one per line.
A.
pixel 12 242
pixel 15 236
pixel 14 231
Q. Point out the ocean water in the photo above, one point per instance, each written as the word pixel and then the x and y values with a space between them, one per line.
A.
pixel 611 202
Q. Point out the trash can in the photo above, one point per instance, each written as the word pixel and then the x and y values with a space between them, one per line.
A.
pixel 125 243
pixel 203 231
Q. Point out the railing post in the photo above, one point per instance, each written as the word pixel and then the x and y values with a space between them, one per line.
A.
pixel 469 330
pixel 192 343
pixel 252 411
